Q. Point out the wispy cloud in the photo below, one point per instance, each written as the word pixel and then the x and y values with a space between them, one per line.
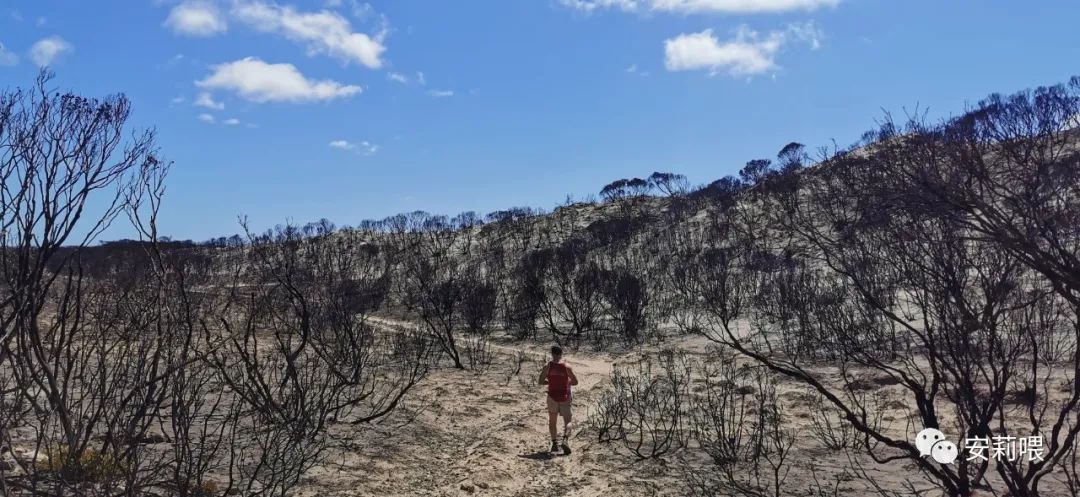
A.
pixel 633 69
pixel 748 53
pixel 363 147
pixel 47 50
pixel 196 18
pixel 695 6
pixel 324 32
pixel 258 81
pixel 232 121
pixel 591 5
pixel 205 99
pixel 396 76
pixel 7 58
pixel 441 93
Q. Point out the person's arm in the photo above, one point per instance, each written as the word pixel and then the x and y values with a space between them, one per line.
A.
pixel 570 373
pixel 543 376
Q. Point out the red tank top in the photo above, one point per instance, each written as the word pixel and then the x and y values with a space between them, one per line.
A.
pixel 558 382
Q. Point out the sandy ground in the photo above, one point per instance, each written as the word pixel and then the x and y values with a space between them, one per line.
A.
pixel 486 434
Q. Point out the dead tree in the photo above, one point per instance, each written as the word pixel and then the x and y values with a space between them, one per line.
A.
pixel 432 254
pixel 670 184
pixel 87 380
pixel 292 344
pixel 572 295
pixel 940 260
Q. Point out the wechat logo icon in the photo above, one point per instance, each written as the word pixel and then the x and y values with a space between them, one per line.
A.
pixel 931 442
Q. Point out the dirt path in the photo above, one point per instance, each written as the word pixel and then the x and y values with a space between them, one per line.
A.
pixel 590 370
pixel 486 434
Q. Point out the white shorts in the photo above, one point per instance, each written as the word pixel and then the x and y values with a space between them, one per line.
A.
pixel 562 408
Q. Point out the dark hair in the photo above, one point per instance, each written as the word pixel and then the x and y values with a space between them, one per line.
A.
pixel 556 351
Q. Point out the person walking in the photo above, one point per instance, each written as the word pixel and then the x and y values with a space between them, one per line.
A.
pixel 559 378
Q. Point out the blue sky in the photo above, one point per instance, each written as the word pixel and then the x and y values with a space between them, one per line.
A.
pixel 298 110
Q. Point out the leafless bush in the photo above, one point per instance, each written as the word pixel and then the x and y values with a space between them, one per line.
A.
pixel 740 424
pixel 628 304
pixel 479 352
pixel 519 358
pixel 828 428
pixel 646 406
pixel 432 255
pixel 572 291
pixel 939 256
pixel 179 370
pixel 526 295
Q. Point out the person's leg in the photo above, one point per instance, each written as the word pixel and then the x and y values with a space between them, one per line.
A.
pixel 568 417
pixel 553 423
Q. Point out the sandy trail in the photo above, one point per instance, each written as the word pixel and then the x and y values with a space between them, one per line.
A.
pixel 486 434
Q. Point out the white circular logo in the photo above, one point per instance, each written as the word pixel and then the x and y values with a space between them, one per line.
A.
pixel 944 452
pixel 926 439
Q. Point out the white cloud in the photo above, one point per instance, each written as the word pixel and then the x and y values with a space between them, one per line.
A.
pixel 196 18
pixel 360 10
pixel 591 5
pixel 324 32
pixel 441 93
pixel 369 148
pixel 396 76
pixel 7 58
pixel 633 69
pixel 364 147
pixel 177 100
pixel 258 81
pixel 343 145
pixel 807 32
pixel 420 78
pixel 205 99
pixel 232 121
pixel 695 6
pixel 740 6
pixel 46 50
pixel 747 54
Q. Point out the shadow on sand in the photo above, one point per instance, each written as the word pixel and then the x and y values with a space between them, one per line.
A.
pixel 540 456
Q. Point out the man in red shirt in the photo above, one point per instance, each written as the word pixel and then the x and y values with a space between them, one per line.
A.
pixel 558 377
